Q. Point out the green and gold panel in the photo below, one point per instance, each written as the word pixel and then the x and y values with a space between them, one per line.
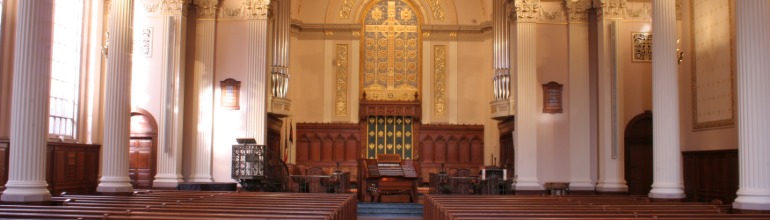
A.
pixel 389 135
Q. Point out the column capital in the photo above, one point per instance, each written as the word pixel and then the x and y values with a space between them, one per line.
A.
pixel 526 11
pixel 577 10
pixel 174 7
pixel 207 9
pixel 255 9
pixel 610 9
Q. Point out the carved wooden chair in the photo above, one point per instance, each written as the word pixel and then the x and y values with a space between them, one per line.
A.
pixel 314 179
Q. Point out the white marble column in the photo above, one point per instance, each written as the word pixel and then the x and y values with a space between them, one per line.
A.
pixel 117 101
pixel 174 29
pixel 29 104
pixel 753 50
pixel 256 80
pixel 667 158
pixel 579 109
pixel 525 140
pixel 611 177
pixel 204 81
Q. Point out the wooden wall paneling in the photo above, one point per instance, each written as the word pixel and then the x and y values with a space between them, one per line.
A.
pixel 339 149
pixel 439 152
pixel 71 168
pixel 351 147
pixel 315 149
pixel 711 175
pixel 464 155
pixel 477 151
pixel 274 125
pixel 327 149
pixel 452 151
pixel 427 150
pixel 506 127
pixel 4 144
pixel 302 149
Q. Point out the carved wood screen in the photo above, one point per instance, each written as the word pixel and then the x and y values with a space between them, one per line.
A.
pixel 325 144
pixel 455 146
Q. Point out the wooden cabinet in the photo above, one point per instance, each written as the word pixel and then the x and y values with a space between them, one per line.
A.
pixel 71 168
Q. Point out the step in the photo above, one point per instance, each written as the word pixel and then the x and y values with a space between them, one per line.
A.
pixel 390 210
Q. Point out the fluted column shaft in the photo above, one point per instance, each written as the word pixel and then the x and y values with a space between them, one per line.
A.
pixel 667 158
pixel 117 101
pixel 255 80
pixel 579 111
pixel 204 79
pixel 169 163
pixel 752 52
pixel 525 136
pixel 29 104
pixel 611 177
pixel 526 106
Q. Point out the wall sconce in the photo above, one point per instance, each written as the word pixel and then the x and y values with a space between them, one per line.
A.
pixel 552 97
pixel 230 89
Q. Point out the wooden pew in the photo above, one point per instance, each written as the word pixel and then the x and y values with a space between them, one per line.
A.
pixel 186 205
pixel 440 207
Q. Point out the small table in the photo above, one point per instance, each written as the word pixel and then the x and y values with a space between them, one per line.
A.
pixel 557 188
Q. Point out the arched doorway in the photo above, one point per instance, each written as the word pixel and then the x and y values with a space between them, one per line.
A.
pixel 143 149
pixel 638 154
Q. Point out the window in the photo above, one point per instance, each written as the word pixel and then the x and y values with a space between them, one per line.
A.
pixel 65 68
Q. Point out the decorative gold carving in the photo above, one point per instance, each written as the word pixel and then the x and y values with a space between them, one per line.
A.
pixel 356 33
pixel 642 47
pixel 391 50
pixel 207 9
pixel 527 10
pixel 249 10
pixel 643 12
pixel 713 70
pixel 256 9
pixel 426 34
pixel 577 10
pixel 439 80
pixel 328 33
pixel 557 16
pixel 435 6
pixel 610 9
pixel 347 5
pixel 341 102
pixel 150 8
pixel 173 7
pixel 453 34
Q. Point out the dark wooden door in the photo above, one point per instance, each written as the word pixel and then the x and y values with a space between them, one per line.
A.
pixel 142 149
pixel 638 154
pixel 140 165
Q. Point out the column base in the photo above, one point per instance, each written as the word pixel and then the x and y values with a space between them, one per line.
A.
pixel 581 186
pixel 166 181
pixel 26 192
pixel 114 185
pixel 528 185
pixel 611 187
pixel 750 202
pixel 200 179
pixel 660 191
